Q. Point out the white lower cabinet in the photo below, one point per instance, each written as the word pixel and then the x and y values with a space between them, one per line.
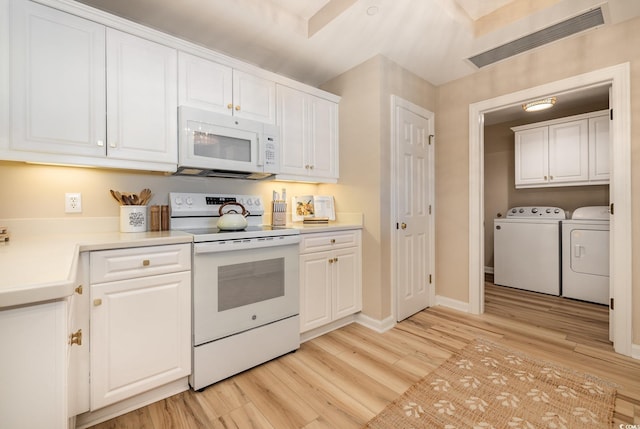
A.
pixel 44 376
pixel 330 277
pixel 33 386
pixel 140 324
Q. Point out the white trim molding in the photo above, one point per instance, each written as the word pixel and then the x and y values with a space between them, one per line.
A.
pixel 380 326
pixel 619 80
pixel 452 303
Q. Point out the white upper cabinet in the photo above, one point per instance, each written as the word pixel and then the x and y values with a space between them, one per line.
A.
pixel 85 94
pixel 563 152
pixel 58 82
pixel 308 136
pixel 142 110
pixel 599 149
pixel 569 152
pixel 216 87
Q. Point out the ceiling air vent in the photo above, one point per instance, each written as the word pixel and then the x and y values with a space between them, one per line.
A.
pixel 571 26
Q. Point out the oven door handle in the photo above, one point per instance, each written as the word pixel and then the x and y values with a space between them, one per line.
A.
pixel 244 244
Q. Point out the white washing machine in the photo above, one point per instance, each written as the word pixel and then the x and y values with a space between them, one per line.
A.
pixel 526 248
pixel 585 255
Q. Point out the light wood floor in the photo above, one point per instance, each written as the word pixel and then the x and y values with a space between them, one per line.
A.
pixel 344 378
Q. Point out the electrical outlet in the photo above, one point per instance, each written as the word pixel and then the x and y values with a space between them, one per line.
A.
pixel 73 202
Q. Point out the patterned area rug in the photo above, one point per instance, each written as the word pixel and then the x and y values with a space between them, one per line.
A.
pixel 489 386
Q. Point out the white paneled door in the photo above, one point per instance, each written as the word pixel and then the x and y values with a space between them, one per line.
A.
pixel 413 129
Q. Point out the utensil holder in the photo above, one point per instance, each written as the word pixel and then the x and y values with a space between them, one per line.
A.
pixel 278 213
pixel 133 218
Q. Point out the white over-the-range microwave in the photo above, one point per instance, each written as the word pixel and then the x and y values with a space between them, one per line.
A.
pixel 216 145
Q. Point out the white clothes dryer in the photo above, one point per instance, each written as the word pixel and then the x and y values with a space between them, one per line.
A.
pixel 585 255
pixel 526 248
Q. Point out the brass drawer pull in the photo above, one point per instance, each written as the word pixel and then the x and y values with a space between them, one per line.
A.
pixel 146 263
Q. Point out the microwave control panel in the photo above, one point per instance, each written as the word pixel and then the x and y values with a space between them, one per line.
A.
pixel 271 154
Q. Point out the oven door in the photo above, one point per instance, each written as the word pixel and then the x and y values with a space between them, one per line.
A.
pixel 237 290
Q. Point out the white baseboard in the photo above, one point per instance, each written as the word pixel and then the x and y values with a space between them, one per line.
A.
pixel 103 414
pixel 635 351
pixel 379 326
pixel 324 329
pixel 452 303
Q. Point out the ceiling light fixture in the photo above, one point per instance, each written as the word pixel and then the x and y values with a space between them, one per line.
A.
pixel 372 10
pixel 534 106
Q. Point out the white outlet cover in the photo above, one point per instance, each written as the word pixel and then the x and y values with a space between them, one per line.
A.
pixel 73 202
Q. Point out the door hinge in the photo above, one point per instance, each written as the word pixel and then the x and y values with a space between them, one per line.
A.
pixel 611 304
pixel 431 137
pixel 430 279
pixel 611 209
pixel 429 208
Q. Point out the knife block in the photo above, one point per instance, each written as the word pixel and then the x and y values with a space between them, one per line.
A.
pixel 278 213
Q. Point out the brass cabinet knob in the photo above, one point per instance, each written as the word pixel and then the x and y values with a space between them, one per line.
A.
pixel 333 241
pixel 403 225
pixel 237 108
pixel 230 106
pixel 97 302
pixel 78 290
pixel 146 263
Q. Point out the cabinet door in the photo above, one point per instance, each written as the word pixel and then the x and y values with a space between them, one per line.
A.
pixel 253 97
pixel 347 282
pixel 323 144
pixel 33 389
pixel 204 84
pixel 569 152
pixel 141 99
pixel 315 290
pixel 532 157
pixel 58 82
pixel 599 149
pixel 294 137
pixel 140 335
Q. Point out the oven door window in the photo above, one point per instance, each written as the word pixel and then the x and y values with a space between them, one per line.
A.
pixel 249 283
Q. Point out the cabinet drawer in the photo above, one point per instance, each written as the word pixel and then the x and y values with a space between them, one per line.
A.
pixel 120 264
pixel 327 241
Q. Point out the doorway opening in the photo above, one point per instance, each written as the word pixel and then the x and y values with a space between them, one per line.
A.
pixel 618 78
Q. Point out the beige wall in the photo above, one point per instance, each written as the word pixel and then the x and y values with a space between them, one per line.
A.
pixel 499 177
pixel 595 49
pixel 37 191
pixel 365 111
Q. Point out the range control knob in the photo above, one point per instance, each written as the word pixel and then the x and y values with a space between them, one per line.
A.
pixel 189 201
pixel 521 210
pixel 534 210
pixel 178 201
pixel 556 211
pixel 548 210
pixel 257 202
pixel 514 211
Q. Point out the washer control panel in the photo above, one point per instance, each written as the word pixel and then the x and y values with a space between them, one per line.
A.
pixel 537 212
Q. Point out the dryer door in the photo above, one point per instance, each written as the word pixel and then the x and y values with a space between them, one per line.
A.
pixel 590 251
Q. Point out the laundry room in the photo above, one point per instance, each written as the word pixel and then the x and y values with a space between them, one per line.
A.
pixel 507 186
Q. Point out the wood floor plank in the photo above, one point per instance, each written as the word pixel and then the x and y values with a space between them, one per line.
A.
pixel 342 379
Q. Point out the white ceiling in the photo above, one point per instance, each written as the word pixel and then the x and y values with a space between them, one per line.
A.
pixel 431 38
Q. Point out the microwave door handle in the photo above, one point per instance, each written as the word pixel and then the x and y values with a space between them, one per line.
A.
pixel 260 152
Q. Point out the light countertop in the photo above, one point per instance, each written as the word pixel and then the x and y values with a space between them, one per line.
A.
pixel 42 267
pixel 40 261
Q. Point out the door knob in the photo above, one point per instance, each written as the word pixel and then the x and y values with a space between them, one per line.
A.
pixel 403 225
